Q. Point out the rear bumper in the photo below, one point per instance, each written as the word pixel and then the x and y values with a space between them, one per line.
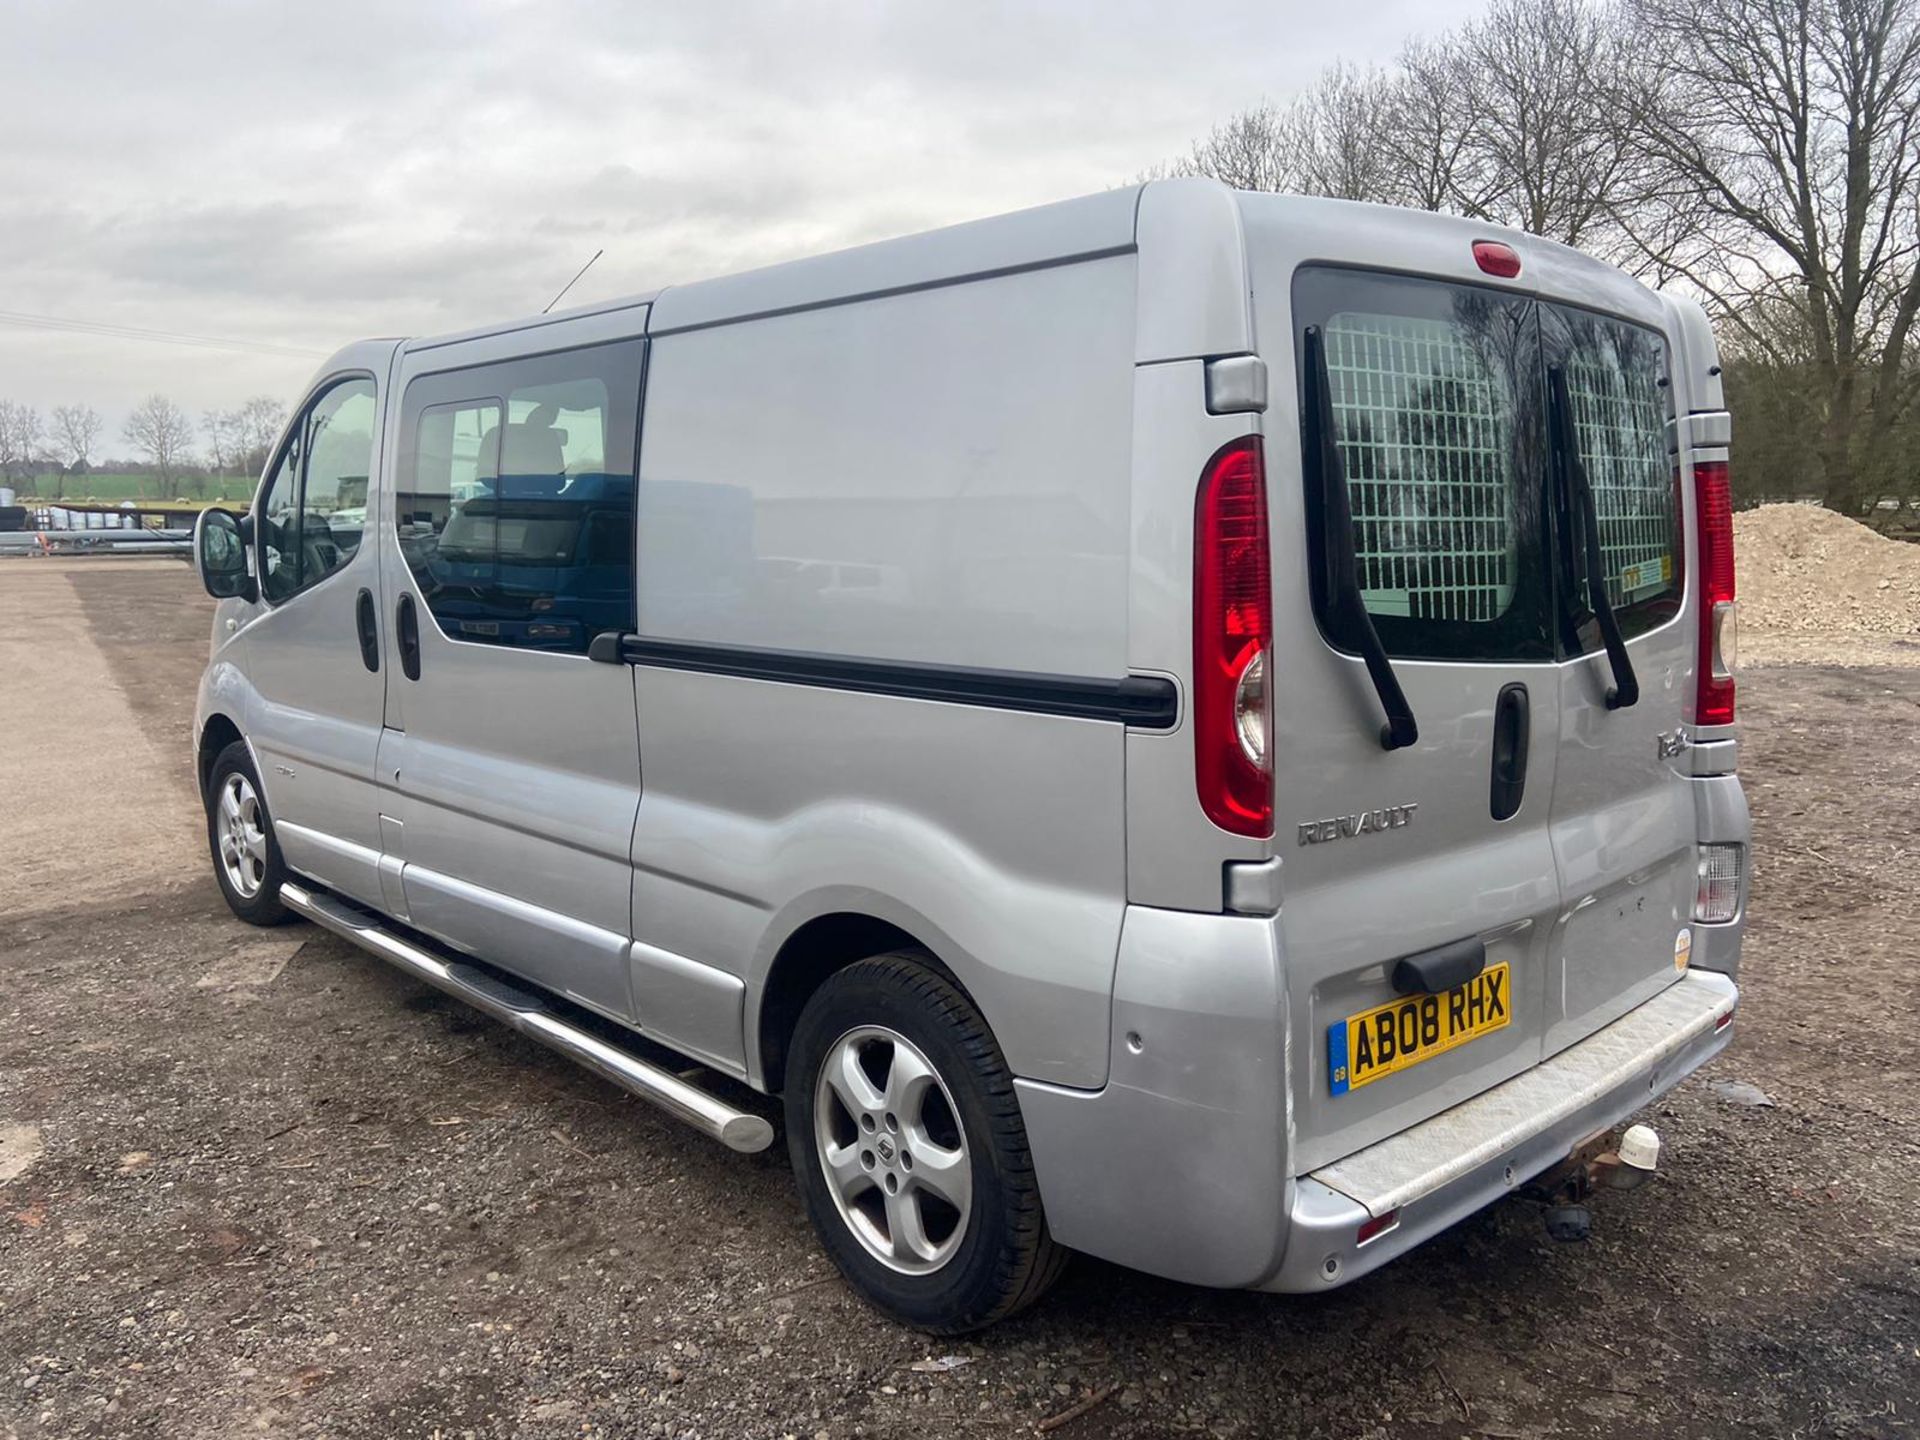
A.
pixel 1180 1166
pixel 1443 1169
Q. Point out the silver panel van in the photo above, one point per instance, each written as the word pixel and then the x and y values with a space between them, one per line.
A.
pixel 1188 726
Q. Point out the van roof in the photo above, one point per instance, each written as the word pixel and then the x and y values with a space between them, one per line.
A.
pixel 1048 234
pixel 1091 226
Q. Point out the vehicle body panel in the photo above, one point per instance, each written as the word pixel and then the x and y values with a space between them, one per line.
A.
pixel 514 772
pixel 979 449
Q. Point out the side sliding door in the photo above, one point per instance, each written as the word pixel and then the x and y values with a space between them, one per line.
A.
pixel 511 760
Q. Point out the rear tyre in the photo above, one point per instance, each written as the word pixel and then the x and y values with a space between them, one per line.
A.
pixel 246 857
pixel 906 1141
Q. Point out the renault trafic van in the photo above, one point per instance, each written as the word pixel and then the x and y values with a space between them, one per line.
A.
pixel 1188 726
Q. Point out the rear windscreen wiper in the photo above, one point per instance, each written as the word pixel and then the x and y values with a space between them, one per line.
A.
pixel 1625 689
pixel 1346 606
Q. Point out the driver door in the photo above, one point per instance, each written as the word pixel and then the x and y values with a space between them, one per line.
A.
pixel 318 692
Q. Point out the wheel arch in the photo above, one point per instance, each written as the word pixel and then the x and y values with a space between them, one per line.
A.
pixel 216 734
pixel 818 944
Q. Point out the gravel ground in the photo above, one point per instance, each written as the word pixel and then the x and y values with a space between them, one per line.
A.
pixel 255 1182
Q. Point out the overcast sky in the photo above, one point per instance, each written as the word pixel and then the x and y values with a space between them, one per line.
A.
pixel 299 175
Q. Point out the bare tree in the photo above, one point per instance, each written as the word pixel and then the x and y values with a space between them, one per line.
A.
pixel 1514 118
pixel 1430 137
pixel 257 424
pixel 221 430
pixel 1326 142
pixel 160 430
pixel 1246 151
pixel 1764 153
pixel 22 441
pixel 76 430
pixel 1790 130
pixel 1551 152
pixel 1331 137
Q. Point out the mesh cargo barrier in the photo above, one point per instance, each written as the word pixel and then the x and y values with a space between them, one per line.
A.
pixel 1622 432
pixel 1425 430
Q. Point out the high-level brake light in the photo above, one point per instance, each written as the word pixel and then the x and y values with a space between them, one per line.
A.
pixel 1496 257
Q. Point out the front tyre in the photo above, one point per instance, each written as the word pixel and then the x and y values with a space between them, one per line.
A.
pixel 246 857
pixel 906 1142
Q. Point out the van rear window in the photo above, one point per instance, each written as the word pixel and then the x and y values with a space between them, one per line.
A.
pixel 1441 419
pixel 1429 385
pixel 1614 379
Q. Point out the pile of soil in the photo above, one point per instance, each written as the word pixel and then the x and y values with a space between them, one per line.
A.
pixel 1804 569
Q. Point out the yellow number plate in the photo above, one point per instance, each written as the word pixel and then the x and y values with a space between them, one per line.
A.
pixel 1390 1037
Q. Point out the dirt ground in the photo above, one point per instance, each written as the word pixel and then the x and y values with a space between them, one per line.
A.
pixel 255 1182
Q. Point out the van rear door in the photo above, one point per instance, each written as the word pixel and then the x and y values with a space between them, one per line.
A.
pixel 1622 813
pixel 1502 442
pixel 1440 853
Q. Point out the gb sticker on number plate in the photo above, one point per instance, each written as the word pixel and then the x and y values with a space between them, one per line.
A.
pixel 1362 1048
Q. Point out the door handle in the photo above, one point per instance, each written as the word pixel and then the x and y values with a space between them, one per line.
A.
pixel 406 626
pixel 1512 730
pixel 363 618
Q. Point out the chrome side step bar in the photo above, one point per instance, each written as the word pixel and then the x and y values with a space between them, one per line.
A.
pixel 526 1012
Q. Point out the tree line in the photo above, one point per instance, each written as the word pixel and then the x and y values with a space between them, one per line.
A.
pixel 1763 154
pixel 232 442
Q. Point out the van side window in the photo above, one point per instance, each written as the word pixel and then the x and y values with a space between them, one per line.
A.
pixel 314 508
pixel 514 501
pixel 1614 373
pixel 1432 387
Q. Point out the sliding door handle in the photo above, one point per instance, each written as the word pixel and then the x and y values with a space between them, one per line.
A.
pixel 365 621
pixel 406 627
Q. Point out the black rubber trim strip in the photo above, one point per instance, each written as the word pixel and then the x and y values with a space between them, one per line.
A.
pixel 1146 701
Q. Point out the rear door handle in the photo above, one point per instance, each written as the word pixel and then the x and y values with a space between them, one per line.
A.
pixel 406 625
pixel 1512 729
pixel 365 620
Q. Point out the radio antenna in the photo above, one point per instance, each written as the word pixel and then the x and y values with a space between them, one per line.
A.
pixel 571 283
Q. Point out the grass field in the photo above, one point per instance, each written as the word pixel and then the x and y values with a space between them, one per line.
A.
pixel 133 487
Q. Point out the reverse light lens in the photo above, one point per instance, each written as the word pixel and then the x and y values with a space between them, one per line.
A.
pixel 1232 636
pixel 1726 639
pixel 1716 897
pixel 1251 710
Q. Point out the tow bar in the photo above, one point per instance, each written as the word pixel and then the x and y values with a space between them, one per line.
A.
pixel 1594 1165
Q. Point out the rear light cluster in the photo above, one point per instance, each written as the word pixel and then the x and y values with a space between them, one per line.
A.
pixel 1716 895
pixel 1232 641
pixel 1713 508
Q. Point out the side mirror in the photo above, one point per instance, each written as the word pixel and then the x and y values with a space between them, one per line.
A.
pixel 220 556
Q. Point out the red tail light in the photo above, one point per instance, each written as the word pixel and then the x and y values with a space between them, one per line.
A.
pixel 1713 509
pixel 1232 638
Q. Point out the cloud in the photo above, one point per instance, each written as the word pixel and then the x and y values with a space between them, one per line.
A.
pixel 304 175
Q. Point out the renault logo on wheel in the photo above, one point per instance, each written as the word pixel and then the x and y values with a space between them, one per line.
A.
pixel 885 1147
